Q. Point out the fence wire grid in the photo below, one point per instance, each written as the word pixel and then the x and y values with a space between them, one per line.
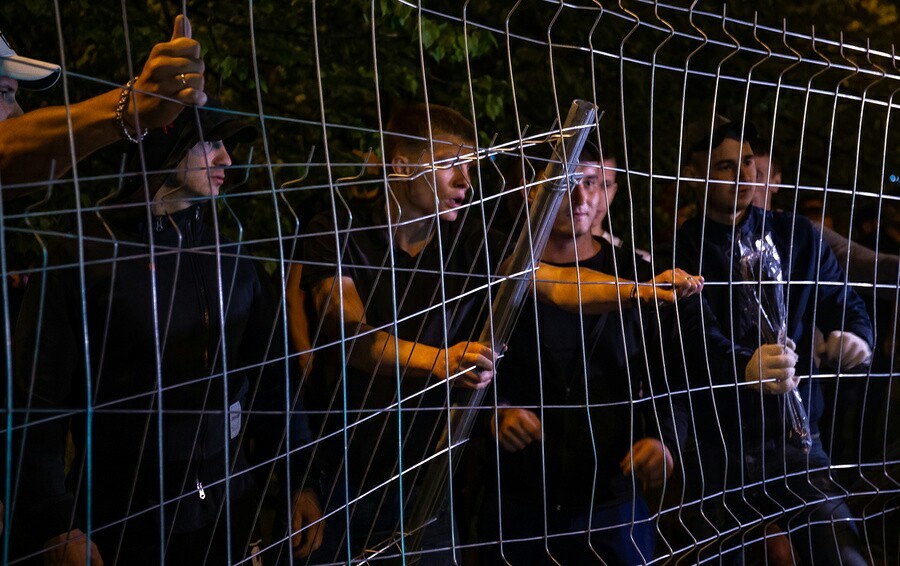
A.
pixel 442 282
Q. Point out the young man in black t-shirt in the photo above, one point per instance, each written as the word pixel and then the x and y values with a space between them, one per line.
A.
pixel 401 302
pixel 404 299
pixel 579 468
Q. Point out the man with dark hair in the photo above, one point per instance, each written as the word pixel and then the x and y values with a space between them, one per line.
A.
pixel 400 284
pixel 606 162
pixel 580 439
pixel 30 143
pixel 744 384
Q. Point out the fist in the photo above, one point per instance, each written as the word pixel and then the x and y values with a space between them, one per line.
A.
pixel 467 364
pixel 772 368
pixel 518 428
pixel 846 347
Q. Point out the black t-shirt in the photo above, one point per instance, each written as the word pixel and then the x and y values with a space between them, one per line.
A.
pixel 546 367
pixel 437 298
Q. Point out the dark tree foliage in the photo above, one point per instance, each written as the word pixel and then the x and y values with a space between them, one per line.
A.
pixel 329 73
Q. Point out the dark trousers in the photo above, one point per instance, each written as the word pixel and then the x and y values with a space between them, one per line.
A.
pixel 373 532
pixel 804 503
pixel 621 533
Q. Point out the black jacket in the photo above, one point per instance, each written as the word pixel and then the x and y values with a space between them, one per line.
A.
pixel 816 297
pixel 206 314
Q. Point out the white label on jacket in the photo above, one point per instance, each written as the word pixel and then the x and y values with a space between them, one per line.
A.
pixel 234 416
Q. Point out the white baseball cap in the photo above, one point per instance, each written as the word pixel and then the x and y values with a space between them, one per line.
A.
pixel 31 73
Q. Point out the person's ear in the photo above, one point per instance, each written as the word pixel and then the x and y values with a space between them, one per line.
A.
pixel 400 166
pixel 688 170
pixel 776 179
pixel 531 192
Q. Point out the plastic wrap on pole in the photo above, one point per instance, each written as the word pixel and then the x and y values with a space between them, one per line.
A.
pixel 504 309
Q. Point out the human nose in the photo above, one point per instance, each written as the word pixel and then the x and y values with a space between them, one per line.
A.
pixel 222 157
pixel 461 175
pixel 578 193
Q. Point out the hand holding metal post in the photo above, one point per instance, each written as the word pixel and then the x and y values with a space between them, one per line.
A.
pixel 507 301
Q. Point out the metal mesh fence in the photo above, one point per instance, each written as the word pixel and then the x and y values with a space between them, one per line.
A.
pixel 328 319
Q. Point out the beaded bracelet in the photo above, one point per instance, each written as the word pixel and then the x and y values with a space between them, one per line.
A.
pixel 120 112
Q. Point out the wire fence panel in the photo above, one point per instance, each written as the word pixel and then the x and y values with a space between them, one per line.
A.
pixel 443 282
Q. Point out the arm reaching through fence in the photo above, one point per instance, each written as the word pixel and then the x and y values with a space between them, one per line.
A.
pixel 376 350
pixel 601 293
pixel 171 78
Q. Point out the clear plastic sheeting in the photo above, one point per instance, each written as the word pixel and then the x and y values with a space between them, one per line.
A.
pixel 760 267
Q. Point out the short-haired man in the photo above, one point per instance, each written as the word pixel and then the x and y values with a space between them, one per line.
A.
pixel 744 432
pixel 580 467
pixel 34 144
pixel 405 297
pixel 607 176
pixel 401 256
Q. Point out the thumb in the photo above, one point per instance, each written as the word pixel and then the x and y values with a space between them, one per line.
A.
pixel 182 27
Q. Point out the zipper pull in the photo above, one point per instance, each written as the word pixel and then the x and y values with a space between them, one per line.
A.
pixel 159 224
pixel 200 490
pixel 197 213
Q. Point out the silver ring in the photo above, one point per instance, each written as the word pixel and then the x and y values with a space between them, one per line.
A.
pixel 183 81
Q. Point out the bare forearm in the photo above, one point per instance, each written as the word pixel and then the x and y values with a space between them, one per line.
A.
pixel 32 142
pixel 171 79
pixel 382 353
pixel 599 293
pixel 578 289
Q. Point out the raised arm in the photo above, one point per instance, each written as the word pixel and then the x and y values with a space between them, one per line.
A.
pixel 378 351
pixel 601 293
pixel 171 78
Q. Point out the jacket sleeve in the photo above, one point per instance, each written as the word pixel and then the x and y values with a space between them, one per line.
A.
pixel 277 420
pixel 838 307
pixel 46 357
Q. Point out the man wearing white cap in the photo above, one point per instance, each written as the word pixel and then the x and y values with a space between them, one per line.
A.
pixel 171 78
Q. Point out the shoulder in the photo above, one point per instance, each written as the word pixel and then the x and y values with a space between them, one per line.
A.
pixel 346 214
pixel 786 223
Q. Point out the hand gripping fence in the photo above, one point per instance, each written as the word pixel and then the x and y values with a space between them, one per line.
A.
pixel 507 301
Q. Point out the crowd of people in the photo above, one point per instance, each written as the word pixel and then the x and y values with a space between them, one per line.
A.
pixel 168 409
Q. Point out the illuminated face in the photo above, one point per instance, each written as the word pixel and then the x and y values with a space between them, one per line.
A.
pixel 9 108
pixel 447 185
pixel 202 171
pixel 732 175
pixel 585 203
